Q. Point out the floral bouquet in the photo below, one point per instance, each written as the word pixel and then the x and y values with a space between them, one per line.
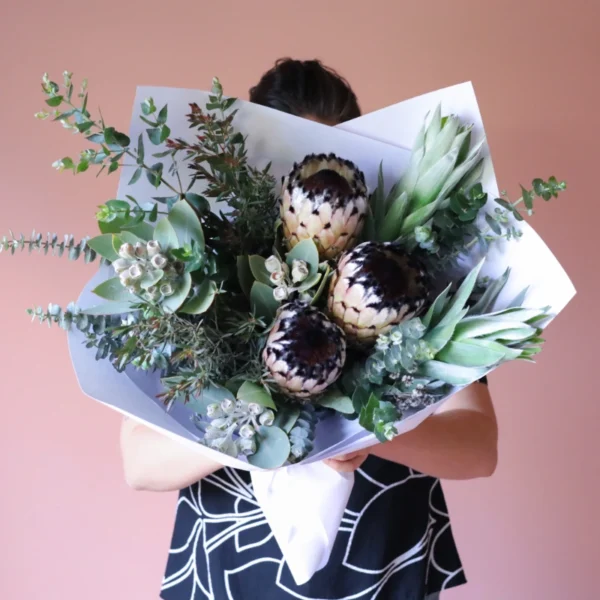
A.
pixel 274 292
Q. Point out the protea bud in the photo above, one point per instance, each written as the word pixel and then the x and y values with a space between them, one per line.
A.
pixel 305 351
pixel 375 287
pixel 324 199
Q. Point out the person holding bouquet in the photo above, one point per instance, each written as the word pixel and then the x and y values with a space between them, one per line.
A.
pixel 395 540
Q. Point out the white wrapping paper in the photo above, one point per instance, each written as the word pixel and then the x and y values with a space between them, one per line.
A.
pixel 304 503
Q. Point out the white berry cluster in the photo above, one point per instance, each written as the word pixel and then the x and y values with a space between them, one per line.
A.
pixel 285 278
pixel 233 426
pixel 146 271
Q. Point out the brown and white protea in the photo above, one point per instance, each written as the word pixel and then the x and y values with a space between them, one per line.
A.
pixel 324 198
pixel 375 287
pixel 305 351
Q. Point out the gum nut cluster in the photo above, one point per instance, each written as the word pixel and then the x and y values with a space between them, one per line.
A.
pixel 146 271
pixel 305 351
pixel 374 287
pixel 324 199
pixel 233 426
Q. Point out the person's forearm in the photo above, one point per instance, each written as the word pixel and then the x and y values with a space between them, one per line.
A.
pixel 458 444
pixel 154 462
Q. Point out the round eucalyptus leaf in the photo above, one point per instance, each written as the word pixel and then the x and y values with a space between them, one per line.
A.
pixel 273 448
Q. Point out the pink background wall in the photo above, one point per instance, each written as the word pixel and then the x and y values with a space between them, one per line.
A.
pixel 69 527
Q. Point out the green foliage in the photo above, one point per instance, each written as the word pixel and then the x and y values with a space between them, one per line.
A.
pixel 36 243
pixel 219 160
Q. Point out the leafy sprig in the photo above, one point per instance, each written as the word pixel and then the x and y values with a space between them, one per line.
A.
pixel 36 243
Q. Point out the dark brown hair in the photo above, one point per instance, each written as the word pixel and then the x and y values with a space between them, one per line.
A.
pixel 306 88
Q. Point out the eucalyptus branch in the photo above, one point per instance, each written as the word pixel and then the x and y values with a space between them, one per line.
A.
pixel 37 243
pixel 113 143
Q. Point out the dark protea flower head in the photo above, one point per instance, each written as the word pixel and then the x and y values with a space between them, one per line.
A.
pixel 375 287
pixel 324 198
pixel 305 351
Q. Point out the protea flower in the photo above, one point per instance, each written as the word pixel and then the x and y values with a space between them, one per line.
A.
pixel 305 351
pixel 324 199
pixel 375 287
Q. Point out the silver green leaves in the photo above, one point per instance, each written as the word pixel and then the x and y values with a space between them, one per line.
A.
pixel 441 160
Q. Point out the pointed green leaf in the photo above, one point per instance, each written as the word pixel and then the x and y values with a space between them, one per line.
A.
pixel 309 282
pixel 436 310
pixel 391 226
pixel 489 297
pixel 244 274
pixel 434 127
pixel 411 175
pixel 379 198
pixel 440 335
pixel 171 304
pixel 203 299
pixel 186 224
pixel 463 170
pixel 143 230
pixel 109 308
pixel 322 285
pixel 458 301
pixel 103 245
pixel 257 394
pixel 136 176
pixel 165 235
pixel 113 289
pixel 418 218
pixel 258 269
pixel 337 401
pixel 515 334
pixel 432 182
pixel 442 143
pixel 471 353
pixel 263 302
pixel 519 298
pixel 452 374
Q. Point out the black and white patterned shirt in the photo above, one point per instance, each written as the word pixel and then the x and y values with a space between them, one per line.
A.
pixel 394 543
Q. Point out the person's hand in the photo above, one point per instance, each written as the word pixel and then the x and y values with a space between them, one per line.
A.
pixel 347 463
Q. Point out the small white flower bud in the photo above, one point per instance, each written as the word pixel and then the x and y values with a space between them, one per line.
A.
pixel 267 418
pixel 214 411
pixel 135 271
pixel 247 431
pixel 280 293
pixel 272 264
pixel 120 265
pixel 299 271
pixel 247 446
pixel 166 289
pixel 59 165
pixel 220 423
pixel 255 409
pixel 228 406
pixel 158 261
pixel 127 251
pixel 153 248
pixel 140 250
pixel 277 277
pixel 41 115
